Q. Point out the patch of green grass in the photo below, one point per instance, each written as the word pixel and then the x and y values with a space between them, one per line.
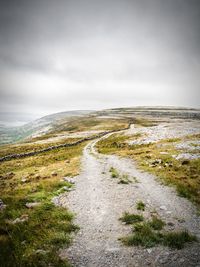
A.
pixel 35 242
pixel 143 235
pixel 114 172
pixel 156 223
pixel 149 234
pixel 124 179
pixel 177 239
pixel 129 218
pixel 140 205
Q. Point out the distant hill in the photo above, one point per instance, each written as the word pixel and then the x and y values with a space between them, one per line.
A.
pixel 36 127
pixel 61 121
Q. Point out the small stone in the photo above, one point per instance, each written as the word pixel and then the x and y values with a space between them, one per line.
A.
pixel 22 219
pixel 10 174
pixel 185 162
pixel 170 223
pixel 149 250
pixel 24 180
pixel 163 208
pixel 32 205
pixel 41 251
pixel 168 212
pixel 37 177
pixel 67 179
pixel 54 173
pixel 163 153
pixel 2 205
pixel 65 188
pixel 67 161
pixel 70 189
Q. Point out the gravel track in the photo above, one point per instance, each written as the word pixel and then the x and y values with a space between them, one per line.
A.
pixel 98 201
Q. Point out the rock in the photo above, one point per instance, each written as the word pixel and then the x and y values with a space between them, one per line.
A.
pixel 185 162
pixel 32 205
pixel 24 180
pixel 56 201
pixel 2 205
pixel 156 162
pixel 10 174
pixel 37 176
pixel 22 219
pixel 41 251
pixel 168 212
pixel 149 250
pixel 67 161
pixel 163 208
pixel 54 173
pixel 67 179
pixel 163 153
pixel 70 189
pixel 65 188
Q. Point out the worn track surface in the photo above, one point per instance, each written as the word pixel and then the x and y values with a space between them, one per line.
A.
pixel 98 201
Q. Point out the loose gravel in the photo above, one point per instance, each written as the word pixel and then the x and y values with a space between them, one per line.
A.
pixel 99 201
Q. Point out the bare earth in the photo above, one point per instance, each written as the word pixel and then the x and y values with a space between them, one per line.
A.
pixel 99 201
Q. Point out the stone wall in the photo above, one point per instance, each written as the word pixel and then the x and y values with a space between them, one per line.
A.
pixel 33 153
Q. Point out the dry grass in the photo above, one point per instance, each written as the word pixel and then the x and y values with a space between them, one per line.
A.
pixel 185 177
pixel 48 227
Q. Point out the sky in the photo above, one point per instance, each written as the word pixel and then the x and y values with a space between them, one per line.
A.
pixel 87 54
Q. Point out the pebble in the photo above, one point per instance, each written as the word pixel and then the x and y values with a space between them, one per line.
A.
pixel 66 188
pixel 163 208
pixel 54 173
pixel 2 205
pixel 32 205
pixel 24 180
pixel 69 180
pixel 41 251
pixel 149 250
pixel 22 219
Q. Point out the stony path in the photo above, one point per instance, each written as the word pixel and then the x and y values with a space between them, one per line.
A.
pixel 99 201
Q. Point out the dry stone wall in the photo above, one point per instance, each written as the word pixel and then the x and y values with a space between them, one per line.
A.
pixel 33 153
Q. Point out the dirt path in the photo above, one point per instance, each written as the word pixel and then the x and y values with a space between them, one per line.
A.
pixel 99 201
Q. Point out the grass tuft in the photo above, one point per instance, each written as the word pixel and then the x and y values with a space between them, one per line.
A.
pixel 114 173
pixel 178 239
pixel 140 205
pixel 156 223
pixel 148 234
pixel 129 218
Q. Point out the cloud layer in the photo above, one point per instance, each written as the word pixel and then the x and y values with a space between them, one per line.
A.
pixel 63 55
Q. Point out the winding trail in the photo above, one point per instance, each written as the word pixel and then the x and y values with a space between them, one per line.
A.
pixel 98 201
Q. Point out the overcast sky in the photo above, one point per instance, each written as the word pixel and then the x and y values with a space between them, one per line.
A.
pixel 58 55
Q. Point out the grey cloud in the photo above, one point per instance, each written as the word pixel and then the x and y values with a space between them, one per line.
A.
pixel 58 55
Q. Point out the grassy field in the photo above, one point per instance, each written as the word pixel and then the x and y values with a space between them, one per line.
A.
pixel 183 174
pixel 88 123
pixel 32 236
